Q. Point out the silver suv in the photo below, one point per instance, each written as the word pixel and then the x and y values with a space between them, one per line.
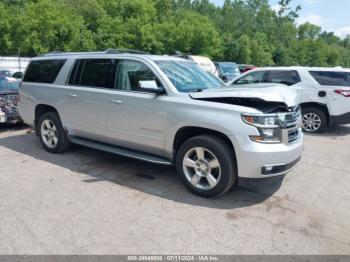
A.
pixel 164 110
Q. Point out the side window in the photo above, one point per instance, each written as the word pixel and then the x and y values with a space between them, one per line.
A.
pixel 130 73
pixel 251 78
pixel 43 71
pixel 286 77
pixel 96 73
pixel 325 78
pixel 75 75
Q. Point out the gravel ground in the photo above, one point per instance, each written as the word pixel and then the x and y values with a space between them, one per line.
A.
pixel 90 202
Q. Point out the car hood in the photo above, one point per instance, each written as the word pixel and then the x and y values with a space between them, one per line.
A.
pixel 271 93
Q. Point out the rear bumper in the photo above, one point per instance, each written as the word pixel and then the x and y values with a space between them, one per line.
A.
pixel 256 160
pixel 340 120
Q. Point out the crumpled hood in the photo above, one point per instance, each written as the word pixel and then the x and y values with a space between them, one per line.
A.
pixel 272 93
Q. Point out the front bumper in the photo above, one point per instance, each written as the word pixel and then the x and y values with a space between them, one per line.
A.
pixel 257 160
pixel 9 118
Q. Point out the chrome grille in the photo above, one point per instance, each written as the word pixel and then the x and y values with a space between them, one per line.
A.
pixel 291 125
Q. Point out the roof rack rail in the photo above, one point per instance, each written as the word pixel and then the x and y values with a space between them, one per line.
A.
pixel 108 51
pixel 125 51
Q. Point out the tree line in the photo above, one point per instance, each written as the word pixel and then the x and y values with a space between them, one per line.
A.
pixel 244 31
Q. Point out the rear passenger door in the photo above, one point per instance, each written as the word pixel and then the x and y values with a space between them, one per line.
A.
pixel 87 96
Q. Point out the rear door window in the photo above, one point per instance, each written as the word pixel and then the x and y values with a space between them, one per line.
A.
pixel 285 77
pixel 329 78
pixel 93 73
pixel 43 71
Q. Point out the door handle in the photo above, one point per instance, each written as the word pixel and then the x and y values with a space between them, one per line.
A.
pixel 72 95
pixel 116 101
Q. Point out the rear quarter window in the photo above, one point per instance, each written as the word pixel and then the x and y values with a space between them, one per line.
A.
pixel 43 71
pixel 329 78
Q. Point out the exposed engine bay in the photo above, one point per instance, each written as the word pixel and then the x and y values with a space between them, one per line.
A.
pixel 8 103
pixel 266 107
pixel 8 108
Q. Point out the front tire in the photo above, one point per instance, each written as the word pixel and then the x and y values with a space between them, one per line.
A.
pixel 207 166
pixel 314 120
pixel 51 133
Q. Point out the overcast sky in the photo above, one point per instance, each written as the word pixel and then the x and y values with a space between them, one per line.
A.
pixel 331 15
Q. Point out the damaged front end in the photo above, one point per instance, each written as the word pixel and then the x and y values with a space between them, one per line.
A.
pixel 9 108
pixel 279 117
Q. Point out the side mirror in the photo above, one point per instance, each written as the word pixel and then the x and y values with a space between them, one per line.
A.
pixel 150 86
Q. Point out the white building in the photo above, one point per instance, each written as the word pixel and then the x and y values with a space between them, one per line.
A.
pixel 14 64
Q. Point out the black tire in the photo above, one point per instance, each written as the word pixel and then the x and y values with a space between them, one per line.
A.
pixel 224 154
pixel 321 115
pixel 63 144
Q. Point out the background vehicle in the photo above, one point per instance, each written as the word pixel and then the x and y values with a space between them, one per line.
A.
pixel 245 68
pixel 9 100
pixel 5 72
pixel 325 92
pixel 164 110
pixel 204 62
pixel 227 70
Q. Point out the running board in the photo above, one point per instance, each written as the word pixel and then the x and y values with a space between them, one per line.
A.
pixel 120 151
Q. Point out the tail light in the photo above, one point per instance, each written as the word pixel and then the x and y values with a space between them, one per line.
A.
pixel 345 93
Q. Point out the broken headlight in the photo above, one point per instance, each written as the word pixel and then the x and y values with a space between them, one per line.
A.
pixel 267 125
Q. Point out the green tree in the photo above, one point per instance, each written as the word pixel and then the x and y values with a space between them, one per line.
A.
pixel 42 27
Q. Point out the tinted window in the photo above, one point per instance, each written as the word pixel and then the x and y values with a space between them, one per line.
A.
pixel 97 73
pixel 129 73
pixel 252 78
pixel 74 78
pixel 331 78
pixel 283 77
pixel 44 71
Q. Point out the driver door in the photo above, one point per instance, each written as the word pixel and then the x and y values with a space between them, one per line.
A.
pixel 136 119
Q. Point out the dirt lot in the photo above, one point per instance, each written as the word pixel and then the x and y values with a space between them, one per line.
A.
pixel 90 202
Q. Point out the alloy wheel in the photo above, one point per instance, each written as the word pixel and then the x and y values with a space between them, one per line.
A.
pixel 49 133
pixel 202 168
pixel 311 122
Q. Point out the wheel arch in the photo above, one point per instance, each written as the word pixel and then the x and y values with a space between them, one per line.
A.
pixel 320 106
pixel 187 132
pixel 40 109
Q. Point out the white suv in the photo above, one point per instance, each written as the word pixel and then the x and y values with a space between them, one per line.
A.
pixel 324 92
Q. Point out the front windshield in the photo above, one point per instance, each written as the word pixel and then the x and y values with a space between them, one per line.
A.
pixel 229 69
pixel 187 76
pixel 8 85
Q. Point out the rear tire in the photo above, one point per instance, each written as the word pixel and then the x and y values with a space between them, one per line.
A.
pixel 206 164
pixel 314 120
pixel 51 133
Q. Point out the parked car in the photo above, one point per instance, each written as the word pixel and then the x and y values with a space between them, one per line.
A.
pixel 5 72
pixel 204 62
pixel 227 70
pixel 164 110
pixel 245 68
pixel 9 100
pixel 325 92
